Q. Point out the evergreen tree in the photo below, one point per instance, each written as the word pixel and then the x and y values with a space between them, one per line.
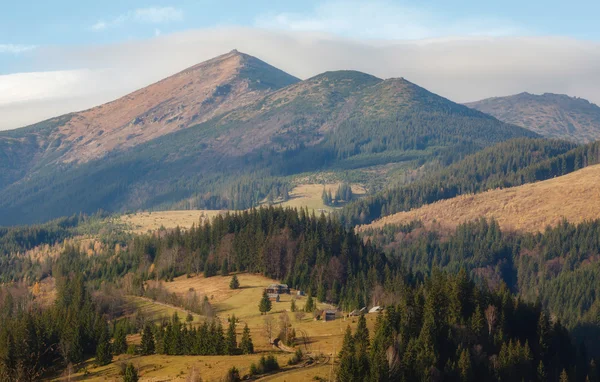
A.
pixel 464 366
pixel 564 377
pixel 130 374
pixel 346 370
pixel 541 372
pixel 103 353
pixel 148 345
pixel 230 340
pixel 293 305
pixel 225 268
pixel 361 336
pixel 234 283
pixel 120 342
pixel 246 344
pixel 265 304
pixel 309 307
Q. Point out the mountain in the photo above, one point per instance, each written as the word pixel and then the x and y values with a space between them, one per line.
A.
pixel 190 97
pixel 247 142
pixel 550 115
pixel 530 207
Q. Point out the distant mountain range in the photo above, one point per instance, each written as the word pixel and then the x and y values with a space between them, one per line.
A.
pixel 224 134
pixel 550 115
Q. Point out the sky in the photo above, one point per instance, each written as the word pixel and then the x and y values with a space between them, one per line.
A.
pixel 64 55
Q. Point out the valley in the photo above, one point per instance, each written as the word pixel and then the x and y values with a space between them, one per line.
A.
pixel 156 237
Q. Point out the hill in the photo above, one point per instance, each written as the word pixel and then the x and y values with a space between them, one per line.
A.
pixel 507 164
pixel 550 115
pixel 531 207
pixel 338 121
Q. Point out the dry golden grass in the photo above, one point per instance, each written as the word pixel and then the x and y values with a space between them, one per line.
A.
pixel 309 196
pixel 531 207
pixel 301 196
pixel 324 337
pixel 143 222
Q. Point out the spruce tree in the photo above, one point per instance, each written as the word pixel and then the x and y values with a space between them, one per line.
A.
pixel 234 283
pixel 361 336
pixel 309 307
pixel 564 377
pixel 130 374
pixel 346 367
pixel 103 354
pixel 265 303
pixel 464 365
pixel 230 340
pixel 148 345
pixel 120 342
pixel 246 344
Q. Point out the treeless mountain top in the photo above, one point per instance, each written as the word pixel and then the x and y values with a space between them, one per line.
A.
pixel 531 207
pixel 551 115
pixel 187 98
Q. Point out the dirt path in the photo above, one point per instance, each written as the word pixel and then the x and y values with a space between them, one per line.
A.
pixel 272 377
pixel 183 310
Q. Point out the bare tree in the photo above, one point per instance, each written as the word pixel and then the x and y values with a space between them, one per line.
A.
pixel 491 316
pixel 268 328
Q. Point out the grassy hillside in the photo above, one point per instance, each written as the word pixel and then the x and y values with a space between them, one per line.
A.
pixel 530 208
pixel 507 164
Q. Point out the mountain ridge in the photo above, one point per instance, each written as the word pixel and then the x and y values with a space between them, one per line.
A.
pixel 551 115
pixel 338 120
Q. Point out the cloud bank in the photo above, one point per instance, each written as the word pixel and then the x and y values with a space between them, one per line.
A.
pixel 461 69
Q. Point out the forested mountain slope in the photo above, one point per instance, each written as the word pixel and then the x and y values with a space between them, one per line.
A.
pixel 438 325
pixel 530 207
pixel 336 121
pixel 507 164
pixel 550 115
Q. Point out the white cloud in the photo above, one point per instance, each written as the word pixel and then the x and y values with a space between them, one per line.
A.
pixel 100 25
pixel 158 15
pixel 462 68
pixel 384 20
pixel 152 15
pixel 16 48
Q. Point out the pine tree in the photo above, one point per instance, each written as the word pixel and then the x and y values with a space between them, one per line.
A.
pixel 309 307
pixel 361 336
pixel 234 283
pixel 148 345
pixel 130 374
pixel 120 342
pixel 346 371
pixel 464 366
pixel 225 268
pixel 103 354
pixel 246 344
pixel 564 377
pixel 265 303
pixel 541 372
pixel 230 340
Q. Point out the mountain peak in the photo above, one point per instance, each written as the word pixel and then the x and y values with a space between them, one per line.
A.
pixel 187 98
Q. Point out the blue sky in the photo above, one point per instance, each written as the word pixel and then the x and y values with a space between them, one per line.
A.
pixel 64 55
pixel 26 25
